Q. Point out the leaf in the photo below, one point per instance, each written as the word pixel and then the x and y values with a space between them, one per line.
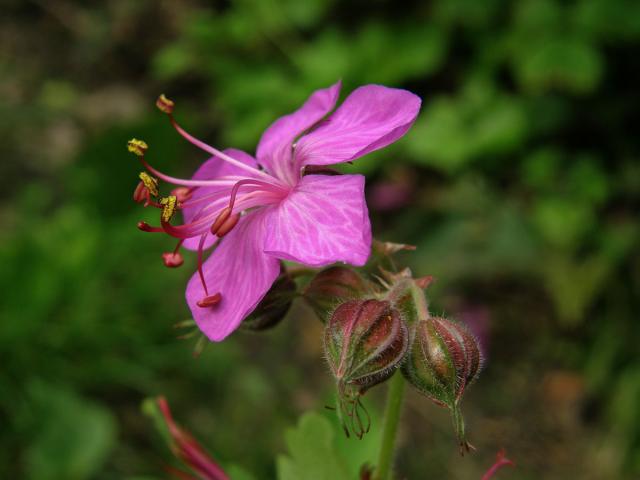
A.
pixel 318 450
pixel 312 452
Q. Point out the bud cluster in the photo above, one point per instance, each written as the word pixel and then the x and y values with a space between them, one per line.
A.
pixel 373 329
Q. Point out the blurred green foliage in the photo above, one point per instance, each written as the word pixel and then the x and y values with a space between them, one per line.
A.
pixel 521 187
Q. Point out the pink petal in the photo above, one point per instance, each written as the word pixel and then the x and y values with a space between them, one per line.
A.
pixel 274 149
pixel 239 270
pixel 324 220
pixel 210 170
pixel 372 117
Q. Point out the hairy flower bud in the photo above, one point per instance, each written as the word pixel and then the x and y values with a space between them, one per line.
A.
pixel 443 360
pixel 365 342
pixel 332 286
pixel 273 307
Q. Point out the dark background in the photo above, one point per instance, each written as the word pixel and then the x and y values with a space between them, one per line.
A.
pixel 518 183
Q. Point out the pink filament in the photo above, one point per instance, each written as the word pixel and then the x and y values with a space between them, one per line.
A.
pixel 216 152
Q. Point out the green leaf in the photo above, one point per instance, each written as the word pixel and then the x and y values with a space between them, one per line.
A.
pixel 312 452
pixel 318 450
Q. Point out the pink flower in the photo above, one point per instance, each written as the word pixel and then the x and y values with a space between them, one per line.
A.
pixel 276 206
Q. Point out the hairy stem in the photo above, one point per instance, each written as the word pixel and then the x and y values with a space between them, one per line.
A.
pixel 392 413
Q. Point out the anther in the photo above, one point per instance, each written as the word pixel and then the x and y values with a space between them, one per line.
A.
pixel 210 301
pixel 169 205
pixel 150 183
pixel 182 193
pixel 137 147
pixel 145 227
pixel 164 104
pixel 224 215
pixel 172 259
pixel 140 194
pixel 228 225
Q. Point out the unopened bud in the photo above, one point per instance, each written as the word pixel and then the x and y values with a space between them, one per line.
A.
pixel 331 287
pixel 273 307
pixel 365 341
pixel 443 360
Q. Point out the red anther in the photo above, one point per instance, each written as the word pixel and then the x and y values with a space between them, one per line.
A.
pixel 182 193
pixel 145 227
pixel 141 193
pixel 164 104
pixel 172 259
pixel 223 217
pixel 228 225
pixel 210 301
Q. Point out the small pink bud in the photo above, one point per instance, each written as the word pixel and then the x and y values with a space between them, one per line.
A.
pixel 172 259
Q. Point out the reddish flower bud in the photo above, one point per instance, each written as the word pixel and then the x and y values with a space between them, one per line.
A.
pixel 443 360
pixel 365 341
pixel 333 286
pixel 273 307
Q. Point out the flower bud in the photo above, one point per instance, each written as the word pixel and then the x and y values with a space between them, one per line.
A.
pixel 331 287
pixel 365 341
pixel 273 307
pixel 443 360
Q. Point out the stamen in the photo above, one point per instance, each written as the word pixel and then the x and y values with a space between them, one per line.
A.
pixel 137 147
pixel 210 300
pixel 218 153
pixel 186 183
pixel 145 227
pixel 223 217
pixel 164 104
pixel 141 193
pixel 228 225
pixel 169 205
pixel 149 182
pixel 200 272
pixel 172 260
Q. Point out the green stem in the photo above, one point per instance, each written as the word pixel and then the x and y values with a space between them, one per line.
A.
pixel 392 412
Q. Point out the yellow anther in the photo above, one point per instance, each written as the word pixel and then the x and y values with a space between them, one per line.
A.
pixel 150 182
pixel 164 104
pixel 137 147
pixel 169 205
